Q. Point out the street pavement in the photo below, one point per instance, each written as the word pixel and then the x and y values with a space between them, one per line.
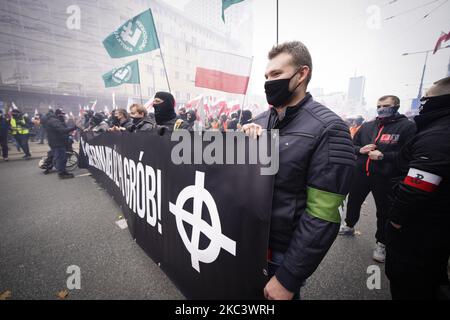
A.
pixel 47 225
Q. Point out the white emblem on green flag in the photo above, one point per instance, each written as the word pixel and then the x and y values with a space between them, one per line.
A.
pixel 129 73
pixel 226 4
pixel 136 36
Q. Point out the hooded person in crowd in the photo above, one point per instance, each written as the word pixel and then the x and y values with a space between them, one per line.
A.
pixel 165 115
pixel 191 117
pixel 182 114
pixel 98 124
pixel 87 119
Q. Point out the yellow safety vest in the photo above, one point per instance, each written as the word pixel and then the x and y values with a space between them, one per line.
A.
pixel 18 127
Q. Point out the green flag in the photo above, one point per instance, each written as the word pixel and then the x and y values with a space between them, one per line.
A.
pixel 136 36
pixel 129 73
pixel 226 4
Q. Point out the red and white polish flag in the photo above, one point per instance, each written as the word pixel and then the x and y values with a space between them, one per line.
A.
pixel 223 71
pixel 422 180
pixel 444 37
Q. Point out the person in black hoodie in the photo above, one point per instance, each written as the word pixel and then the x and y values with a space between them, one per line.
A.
pixel 58 139
pixel 418 232
pixel 377 144
pixel 165 115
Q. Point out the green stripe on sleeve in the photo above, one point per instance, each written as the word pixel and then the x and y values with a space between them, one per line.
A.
pixel 324 205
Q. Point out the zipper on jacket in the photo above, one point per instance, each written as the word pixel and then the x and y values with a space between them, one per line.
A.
pixel 375 142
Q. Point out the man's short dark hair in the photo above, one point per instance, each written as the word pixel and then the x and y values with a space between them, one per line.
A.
pixel 123 112
pixel 139 109
pixel 299 52
pixel 394 98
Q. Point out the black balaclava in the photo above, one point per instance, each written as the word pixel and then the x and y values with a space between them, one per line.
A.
pixel 431 104
pixel 164 111
pixel 97 119
pixel 432 108
pixel 191 116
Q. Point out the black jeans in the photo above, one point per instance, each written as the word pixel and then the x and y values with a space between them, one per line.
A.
pixel 22 140
pixel 361 187
pixel 60 158
pixel 4 144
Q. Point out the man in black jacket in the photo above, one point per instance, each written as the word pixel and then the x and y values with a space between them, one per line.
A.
pixel 418 232
pixel 141 121
pixel 120 121
pixel 377 144
pixel 316 164
pixel 58 139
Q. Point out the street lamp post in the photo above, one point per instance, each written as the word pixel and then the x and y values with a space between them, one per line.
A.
pixel 416 102
pixel 419 95
pixel 427 52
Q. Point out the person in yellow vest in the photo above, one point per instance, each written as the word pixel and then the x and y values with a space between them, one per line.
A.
pixel 20 132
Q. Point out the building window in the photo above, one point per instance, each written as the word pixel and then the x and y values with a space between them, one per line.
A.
pixel 162 73
pixel 149 68
pixel 151 92
pixel 177 95
pixel 177 75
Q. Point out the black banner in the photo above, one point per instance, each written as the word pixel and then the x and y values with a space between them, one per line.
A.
pixel 207 226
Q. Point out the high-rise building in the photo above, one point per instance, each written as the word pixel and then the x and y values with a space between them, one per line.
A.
pixel 355 95
pixel 42 61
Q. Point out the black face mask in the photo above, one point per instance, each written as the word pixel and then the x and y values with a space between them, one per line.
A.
pixel 430 104
pixel 136 120
pixel 277 91
pixel 115 121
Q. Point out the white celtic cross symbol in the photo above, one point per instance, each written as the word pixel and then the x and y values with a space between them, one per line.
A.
pixel 213 231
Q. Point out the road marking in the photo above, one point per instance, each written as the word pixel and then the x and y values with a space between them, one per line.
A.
pixel 84 175
pixel 122 224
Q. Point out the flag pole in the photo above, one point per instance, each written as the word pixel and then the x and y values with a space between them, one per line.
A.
pixel 277 20
pixel 160 51
pixel 245 96
pixel 140 86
